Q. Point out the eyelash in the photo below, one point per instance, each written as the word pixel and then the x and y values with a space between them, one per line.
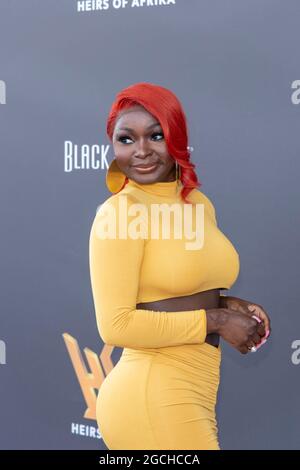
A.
pixel 126 136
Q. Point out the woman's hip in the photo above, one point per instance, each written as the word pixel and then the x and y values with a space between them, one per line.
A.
pixel 161 399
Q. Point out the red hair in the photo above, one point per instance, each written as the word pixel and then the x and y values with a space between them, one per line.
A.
pixel 165 106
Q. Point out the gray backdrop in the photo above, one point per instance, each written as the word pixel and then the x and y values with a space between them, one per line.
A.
pixel 235 67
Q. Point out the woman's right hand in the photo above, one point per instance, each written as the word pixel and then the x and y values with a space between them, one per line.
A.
pixel 239 330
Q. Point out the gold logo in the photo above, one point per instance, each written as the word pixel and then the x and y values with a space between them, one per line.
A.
pixel 89 380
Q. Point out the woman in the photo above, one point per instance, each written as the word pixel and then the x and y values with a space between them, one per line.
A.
pixel 158 296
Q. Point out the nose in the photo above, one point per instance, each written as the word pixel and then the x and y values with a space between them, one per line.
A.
pixel 143 148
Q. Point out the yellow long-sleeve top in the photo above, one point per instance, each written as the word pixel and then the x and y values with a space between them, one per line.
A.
pixel 129 270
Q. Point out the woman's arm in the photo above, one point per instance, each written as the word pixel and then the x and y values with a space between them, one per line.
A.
pixel 115 265
pixel 226 301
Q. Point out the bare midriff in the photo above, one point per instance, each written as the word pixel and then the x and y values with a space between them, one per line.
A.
pixel 206 300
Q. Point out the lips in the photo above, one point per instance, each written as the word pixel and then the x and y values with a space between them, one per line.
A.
pixel 148 165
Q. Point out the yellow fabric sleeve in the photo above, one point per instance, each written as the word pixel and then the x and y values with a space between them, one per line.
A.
pixel 114 273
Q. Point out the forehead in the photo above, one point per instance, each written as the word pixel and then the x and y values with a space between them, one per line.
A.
pixel 137 116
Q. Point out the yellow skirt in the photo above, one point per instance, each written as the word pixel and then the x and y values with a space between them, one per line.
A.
pixel 161 398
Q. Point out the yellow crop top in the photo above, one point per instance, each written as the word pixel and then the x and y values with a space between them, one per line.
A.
pixel 127 271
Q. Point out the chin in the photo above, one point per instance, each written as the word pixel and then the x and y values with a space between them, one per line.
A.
pixel 152 177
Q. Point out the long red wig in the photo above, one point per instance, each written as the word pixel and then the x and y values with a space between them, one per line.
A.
pixel 165 106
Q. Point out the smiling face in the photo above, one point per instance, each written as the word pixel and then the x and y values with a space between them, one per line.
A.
pixel 140 148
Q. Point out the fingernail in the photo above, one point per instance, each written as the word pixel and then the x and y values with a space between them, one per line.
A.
pixel 257 318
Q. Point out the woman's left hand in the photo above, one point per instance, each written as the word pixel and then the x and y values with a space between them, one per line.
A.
pixel 248 308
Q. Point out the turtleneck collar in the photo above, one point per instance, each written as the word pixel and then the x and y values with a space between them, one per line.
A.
pixel 160 188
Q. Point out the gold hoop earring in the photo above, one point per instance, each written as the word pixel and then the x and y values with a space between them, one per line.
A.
pixel 115 178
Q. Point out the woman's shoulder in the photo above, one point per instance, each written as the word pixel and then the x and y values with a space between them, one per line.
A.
pixel 198 196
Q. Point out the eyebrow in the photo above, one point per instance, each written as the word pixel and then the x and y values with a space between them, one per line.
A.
pixel 132 130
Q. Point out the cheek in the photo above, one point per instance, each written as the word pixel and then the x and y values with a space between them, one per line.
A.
pixel 122 161
pixel 169 161
pixel 121 151
pixel 163 152
pixel 122 157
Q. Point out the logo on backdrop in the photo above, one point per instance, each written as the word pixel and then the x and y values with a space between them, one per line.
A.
pixel 2 92
pixel 84 157
pixel 295 358
pixel 2 352
pixel 295 96
pixel 90 379
pixel 104 5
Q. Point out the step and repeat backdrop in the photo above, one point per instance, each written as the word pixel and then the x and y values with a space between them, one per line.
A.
pixel 235 67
